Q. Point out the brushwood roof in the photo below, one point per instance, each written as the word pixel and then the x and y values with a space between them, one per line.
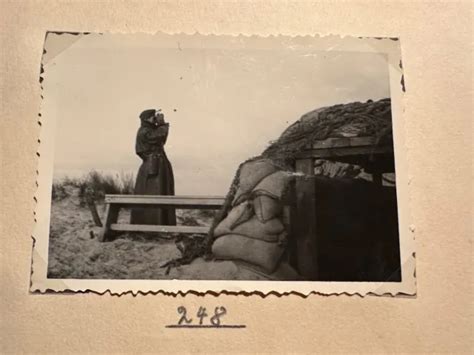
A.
pixel 356 119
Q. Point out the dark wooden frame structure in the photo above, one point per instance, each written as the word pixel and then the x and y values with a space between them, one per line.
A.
pixel 362 151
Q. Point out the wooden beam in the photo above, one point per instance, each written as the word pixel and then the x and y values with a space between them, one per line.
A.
pixel 344 142
pixel 111 215
pixel 93 209
pixel 305 166
pixel 303 227
pixel 342 152
pixel 121 227
pixel 189 202
pixel 377 178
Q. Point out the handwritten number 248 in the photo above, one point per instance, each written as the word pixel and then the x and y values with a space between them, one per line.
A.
pixel 201 314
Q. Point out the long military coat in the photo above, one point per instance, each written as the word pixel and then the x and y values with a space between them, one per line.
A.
pixel 155 175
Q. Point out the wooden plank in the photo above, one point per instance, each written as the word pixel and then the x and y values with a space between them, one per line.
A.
pixel 111 215
pixel 342 151
pixel 171 197
pixel 344 142
pixel 303 228
pixel 190 202
pixel 93 209
pixel 377 178
pixel 121 227
pixel 167 205
pixel 305 166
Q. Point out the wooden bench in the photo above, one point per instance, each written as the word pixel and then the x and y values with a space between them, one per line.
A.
pixel 115 202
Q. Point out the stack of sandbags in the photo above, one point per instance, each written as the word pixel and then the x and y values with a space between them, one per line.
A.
pixel 253 230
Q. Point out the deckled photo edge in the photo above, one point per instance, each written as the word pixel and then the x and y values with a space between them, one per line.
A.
pixel 40 282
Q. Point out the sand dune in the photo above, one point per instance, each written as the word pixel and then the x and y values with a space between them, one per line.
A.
pixel 75 252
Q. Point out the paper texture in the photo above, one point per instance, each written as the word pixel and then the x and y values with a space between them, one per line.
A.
pixel 437 109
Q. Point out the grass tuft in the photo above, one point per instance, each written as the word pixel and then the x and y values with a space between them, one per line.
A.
pixel 95 185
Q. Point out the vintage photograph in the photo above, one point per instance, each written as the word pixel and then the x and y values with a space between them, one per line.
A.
pixel 224 159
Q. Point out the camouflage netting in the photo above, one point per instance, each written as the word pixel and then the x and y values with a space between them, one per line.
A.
pixel 369 119
pixel 357 119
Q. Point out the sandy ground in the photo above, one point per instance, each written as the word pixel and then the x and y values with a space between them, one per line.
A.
pixel 75 253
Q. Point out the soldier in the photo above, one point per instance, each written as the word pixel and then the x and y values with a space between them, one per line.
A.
pixel 155 175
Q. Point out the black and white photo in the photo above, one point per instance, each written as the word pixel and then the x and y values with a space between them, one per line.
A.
pixel 193 162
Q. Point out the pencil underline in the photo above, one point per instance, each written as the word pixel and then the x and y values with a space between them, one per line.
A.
pixel 205 326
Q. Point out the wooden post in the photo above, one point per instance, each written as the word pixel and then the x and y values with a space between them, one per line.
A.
pixel 303 220
pixel 377 178
pixel 305 166
pixel 90 203
pixel 93 209
pixel 303 226
pixel 111 215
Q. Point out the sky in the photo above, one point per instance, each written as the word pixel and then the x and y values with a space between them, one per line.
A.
pixel 224 105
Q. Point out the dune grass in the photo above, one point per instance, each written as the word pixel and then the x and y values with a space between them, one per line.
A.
pixel 94 185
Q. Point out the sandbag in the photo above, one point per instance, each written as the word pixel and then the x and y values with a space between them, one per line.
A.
pixel 254 228
pixel 283 272
pixel 237 215
pixel 254 251
pixel 251 173
pixel 274 184
pixel 266 207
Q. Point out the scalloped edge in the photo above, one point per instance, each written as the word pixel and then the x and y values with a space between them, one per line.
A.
pixel 39 284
